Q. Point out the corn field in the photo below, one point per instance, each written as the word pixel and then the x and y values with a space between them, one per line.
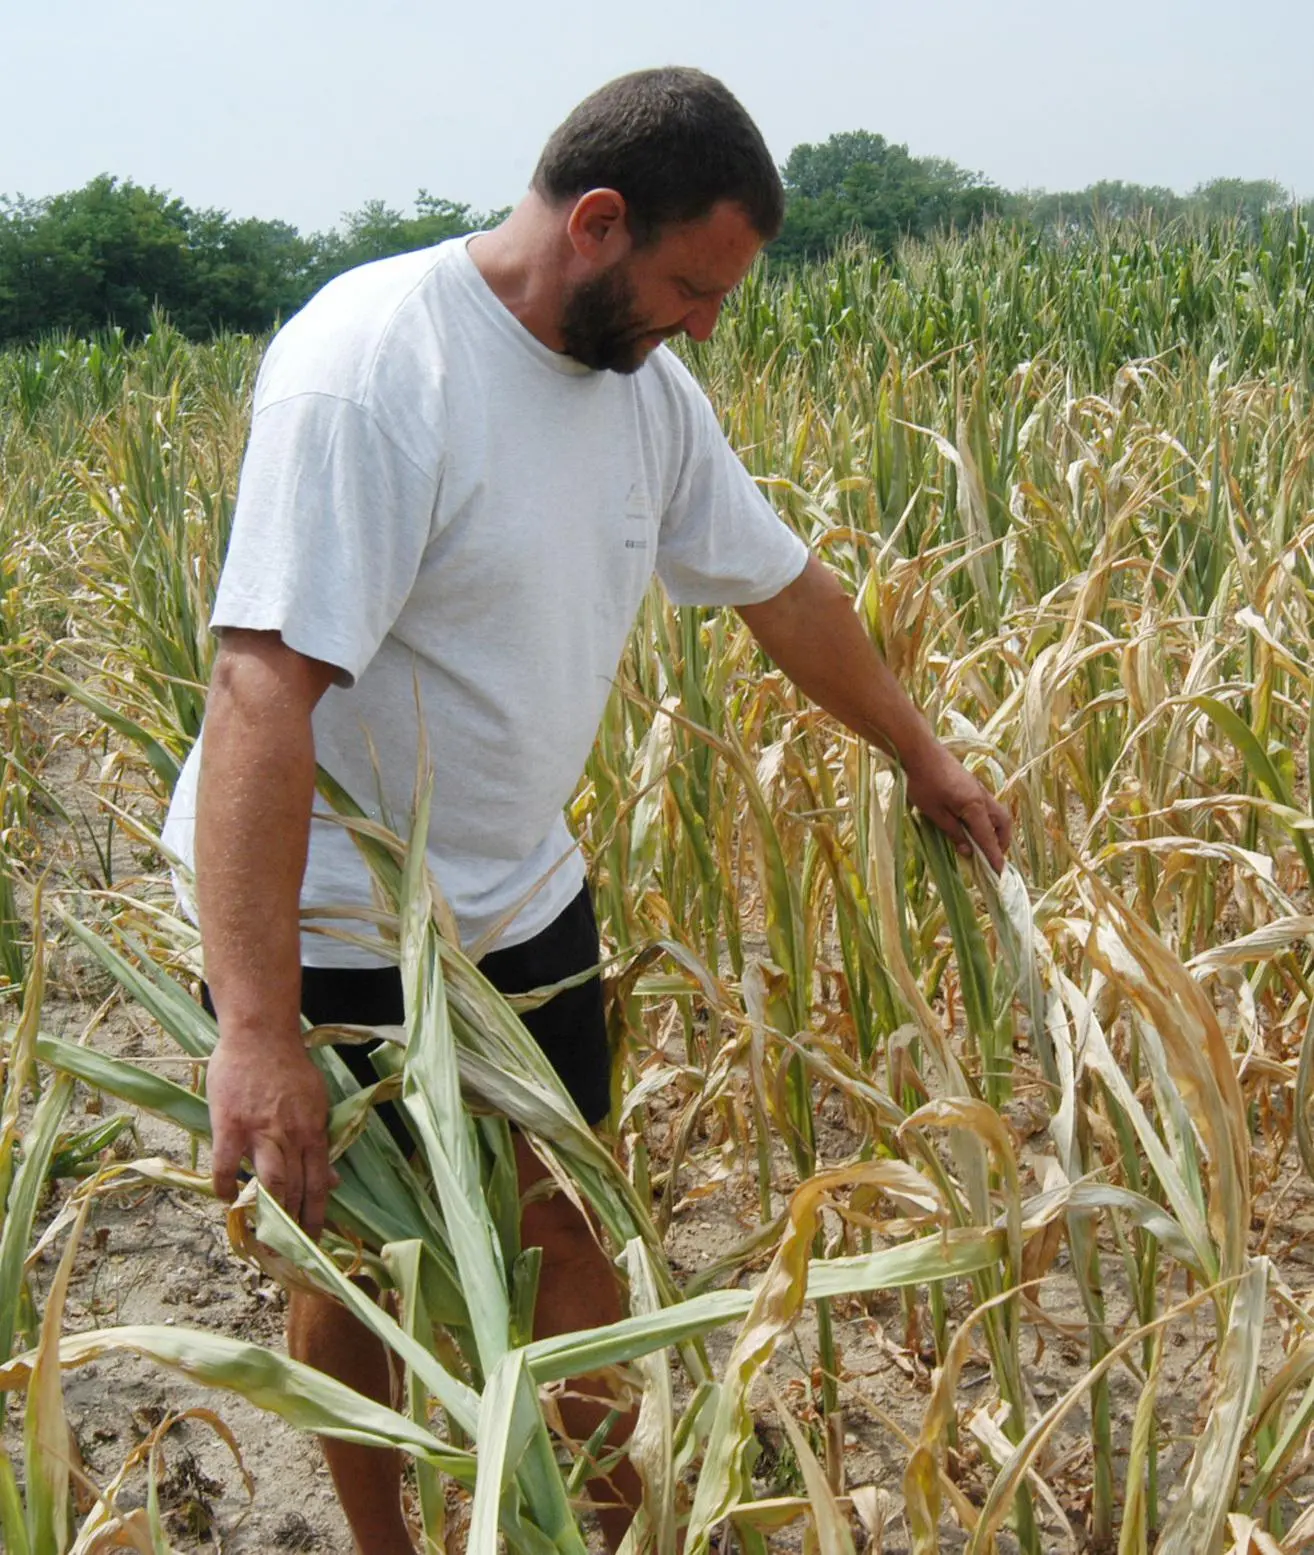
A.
pixel 1060 1112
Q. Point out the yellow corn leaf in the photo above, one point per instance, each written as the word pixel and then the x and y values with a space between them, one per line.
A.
pixel 874 1507
pixel 1196 1522
pixel 1135 1533
pixel 1098 1057
pixel 1261 945
pixel 921 1478
pixel 952 1254
pixel 770 1514
pixel 833 1535
pixel 1198 1057
pixel 1249 1537
pixel 723 1481
pixel 652 1442
pixel 1006 1482
pixel 45 1427
pixel 981 1120
pixel 987 1430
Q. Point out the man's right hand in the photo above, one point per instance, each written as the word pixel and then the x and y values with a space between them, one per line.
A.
pixel 269 1104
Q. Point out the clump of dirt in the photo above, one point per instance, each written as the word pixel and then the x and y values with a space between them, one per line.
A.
pixel 187 1494
pixel 295 1533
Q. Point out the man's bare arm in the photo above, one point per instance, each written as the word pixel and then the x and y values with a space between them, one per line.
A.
pixel 267 1099
pixel 811 631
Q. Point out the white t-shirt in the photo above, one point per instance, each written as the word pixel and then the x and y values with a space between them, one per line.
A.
pixel 464 522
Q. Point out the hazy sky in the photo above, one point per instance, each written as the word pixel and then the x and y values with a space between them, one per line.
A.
pixel 301 110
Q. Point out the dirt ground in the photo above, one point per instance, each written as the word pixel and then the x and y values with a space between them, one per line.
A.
pixel 162 1257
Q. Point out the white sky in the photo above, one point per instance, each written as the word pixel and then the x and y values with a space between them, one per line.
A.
pixel 303 109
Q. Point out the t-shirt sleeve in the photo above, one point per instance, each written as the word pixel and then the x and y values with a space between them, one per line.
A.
pixel 331 523
pixel 721 541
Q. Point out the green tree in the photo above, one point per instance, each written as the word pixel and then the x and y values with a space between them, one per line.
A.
pixel 377 231
pixel 860 182
pixel 1108 200
pixel 108 254
pixel 1250 199
pixel 242 275
pixel 100 255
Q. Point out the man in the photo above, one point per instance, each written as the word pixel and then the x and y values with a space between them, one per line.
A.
pixel 465 466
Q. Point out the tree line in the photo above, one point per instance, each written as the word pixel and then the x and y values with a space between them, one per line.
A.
pixel 110 253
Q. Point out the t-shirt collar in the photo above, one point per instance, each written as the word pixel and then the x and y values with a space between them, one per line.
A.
pixel 498 312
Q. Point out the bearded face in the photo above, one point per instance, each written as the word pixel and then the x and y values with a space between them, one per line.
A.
pixel 600 326
pixel 673 284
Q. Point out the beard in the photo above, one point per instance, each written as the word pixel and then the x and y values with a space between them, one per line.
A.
pixel 599 327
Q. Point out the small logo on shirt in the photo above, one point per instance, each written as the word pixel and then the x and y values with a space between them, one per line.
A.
pixel 637 511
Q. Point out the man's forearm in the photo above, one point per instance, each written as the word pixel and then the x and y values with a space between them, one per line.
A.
pixel 268 1102
pixel 811 631
pixel 252 828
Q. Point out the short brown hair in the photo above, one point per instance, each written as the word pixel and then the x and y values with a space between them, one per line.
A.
pixel 673 143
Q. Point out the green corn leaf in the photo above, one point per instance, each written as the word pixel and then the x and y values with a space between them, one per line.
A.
pixel 41 1136
pixel 508 1418
pixel 1260 764
pixel 77 1154
pixel 281 1235
pixel 951 1255
pixel 13 1516
pixel 403 1261
pixel 164 999
pixel 432 1095
pixel 305 1398
pixel 18 1058
pixel 128 1082
pixel 973 961
pixel 20 1192
pixel 163 763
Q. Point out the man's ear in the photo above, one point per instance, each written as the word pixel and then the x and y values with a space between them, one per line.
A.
pixel 597 228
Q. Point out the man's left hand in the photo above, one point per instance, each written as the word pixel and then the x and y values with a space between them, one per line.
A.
pixel 947 794
pixel 811 630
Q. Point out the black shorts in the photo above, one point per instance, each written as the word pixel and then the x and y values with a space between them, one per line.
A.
pixel 570 1028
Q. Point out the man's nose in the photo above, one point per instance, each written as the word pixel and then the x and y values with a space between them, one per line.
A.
pixel 700 321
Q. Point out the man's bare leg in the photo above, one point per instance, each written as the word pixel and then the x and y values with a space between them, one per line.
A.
pixel 577 1289
pixel 323 1334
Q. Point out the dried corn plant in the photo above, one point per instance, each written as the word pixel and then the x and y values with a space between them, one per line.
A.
pixel 1070 487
